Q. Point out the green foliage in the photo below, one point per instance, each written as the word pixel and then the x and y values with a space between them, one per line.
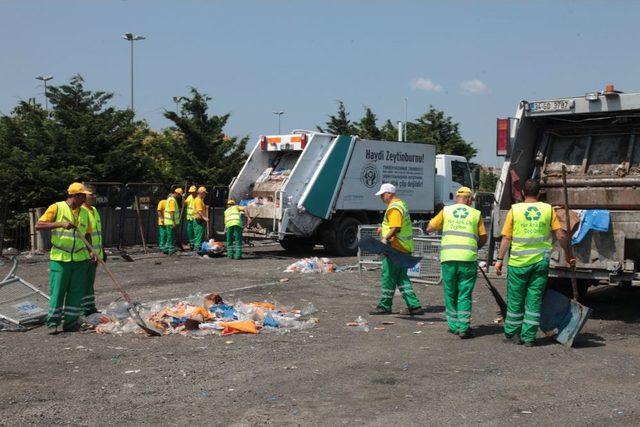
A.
pixel 488 181
pixel 201 151
pixel 432 127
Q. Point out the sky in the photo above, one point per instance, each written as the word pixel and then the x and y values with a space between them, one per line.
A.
pixel 474 60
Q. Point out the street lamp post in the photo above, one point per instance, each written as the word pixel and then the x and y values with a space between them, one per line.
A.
pixel 178 100
pixel 279 114
pixel 131 38
pixel 45 79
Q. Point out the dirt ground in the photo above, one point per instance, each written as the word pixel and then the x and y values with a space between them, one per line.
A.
pixel 411 373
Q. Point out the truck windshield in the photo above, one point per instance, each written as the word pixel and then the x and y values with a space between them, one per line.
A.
pixel 460 173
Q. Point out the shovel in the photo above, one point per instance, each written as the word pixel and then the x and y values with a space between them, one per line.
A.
pixel 133 307
pixel 496 295
pixel 560 315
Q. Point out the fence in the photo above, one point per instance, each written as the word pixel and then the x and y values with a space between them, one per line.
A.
pixel 426 247
pixel 128 213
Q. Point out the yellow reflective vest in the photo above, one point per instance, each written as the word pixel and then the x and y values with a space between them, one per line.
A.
pixel 190 201
pixel 531 239
pixel 169 218
pixel 405 236
pixel 66 246
pixel 232 217
pixel 459 233
pixel 96 230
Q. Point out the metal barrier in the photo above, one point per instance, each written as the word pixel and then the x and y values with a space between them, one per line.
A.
pixel 21 303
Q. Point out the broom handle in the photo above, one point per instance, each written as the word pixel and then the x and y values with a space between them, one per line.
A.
pixel 140 228
pixel 574 281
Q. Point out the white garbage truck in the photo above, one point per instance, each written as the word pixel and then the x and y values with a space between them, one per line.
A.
pixel 308 188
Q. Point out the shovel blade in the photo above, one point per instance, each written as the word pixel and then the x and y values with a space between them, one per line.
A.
pixel 562 315
pixel 133 311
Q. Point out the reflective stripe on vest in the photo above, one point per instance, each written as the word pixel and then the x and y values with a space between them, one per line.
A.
pixel 232 217
pixel 168 218
pixel 96 230
pixel 66 246
pixel 405 236
pixel 459 233
pixel 531 240
pixel 191 201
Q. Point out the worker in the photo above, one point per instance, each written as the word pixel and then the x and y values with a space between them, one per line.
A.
pixel 397 232
pixel 200 218
pixel 162 231
pixel 172 220
pixel 463 233
pixel 189 201
pixel 69 258
pixel 527 232
pixel 88 304
pixel 233 229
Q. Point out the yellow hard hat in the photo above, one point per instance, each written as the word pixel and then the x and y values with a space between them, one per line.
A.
pixel 231 202
pixel 464 191
pixel 202 190
pixel 77 188
pixel 179 191
pixel 192 189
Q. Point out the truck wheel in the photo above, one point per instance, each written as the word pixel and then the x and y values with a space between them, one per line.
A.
pixel 346 242
pixel 297 244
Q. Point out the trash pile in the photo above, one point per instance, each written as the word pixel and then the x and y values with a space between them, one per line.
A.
pixel 269 174
pixel 211 247
pixel 312 265
pixel 198 316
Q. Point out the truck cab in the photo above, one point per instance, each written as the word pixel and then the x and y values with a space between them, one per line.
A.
pixel 452 172
pixel 595 137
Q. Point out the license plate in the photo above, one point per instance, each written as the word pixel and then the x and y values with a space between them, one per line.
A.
pixel 551 106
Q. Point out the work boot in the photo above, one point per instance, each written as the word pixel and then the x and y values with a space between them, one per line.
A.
pixel 416 311
pixel 466 334
pixel 52 330
pixel 75 327
pixel 515 339
pixel 530 344
pixel 379 311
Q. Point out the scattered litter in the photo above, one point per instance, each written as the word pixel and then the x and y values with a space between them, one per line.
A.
pixel 378 328
pixel 417 332
pixel 311 265
pixel 526 412
pixel 132 371
pixel 388 323
pixel 284 279
pixel 498 320
pixel 360 324
pixel 420 323
pixel 211 248
pixel 228 342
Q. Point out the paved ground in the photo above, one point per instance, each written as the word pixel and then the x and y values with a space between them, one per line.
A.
pixel 411 373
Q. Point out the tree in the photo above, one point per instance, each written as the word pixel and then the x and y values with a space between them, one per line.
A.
pixel 434 127
pixel 200 149
pixel 339 124
pixel 366 127
pixel 488 180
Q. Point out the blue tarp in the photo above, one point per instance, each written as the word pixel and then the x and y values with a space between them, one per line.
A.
pixel 595 219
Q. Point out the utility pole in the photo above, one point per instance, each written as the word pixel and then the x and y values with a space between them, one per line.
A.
pixel 279 114
pixel 45 79
pixel 131 38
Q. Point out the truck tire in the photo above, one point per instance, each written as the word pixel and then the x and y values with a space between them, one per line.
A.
pixel 297 245
pixel 346 237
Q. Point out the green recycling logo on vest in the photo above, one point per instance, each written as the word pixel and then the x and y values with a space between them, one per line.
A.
pixel 532 213
pixel 460 213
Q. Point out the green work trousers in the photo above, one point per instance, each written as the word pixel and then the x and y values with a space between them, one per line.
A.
pixel 199 231
pixel 458 279
pixel 162 238
pixel 88 302
pixel 394 276
pixel 170 239
pixel 67 281
pixel 234 242
pixel 525 288
pixel 191 232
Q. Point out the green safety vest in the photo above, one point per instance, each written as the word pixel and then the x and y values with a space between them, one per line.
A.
pixel 459 233
pixel 66 245
pixel 191 201
pixel 168 218
pixel 531 239
pixel 96 231
pixel 405 235
pixel 232 217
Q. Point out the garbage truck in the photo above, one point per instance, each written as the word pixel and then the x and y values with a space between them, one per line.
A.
pixel 596 137
pixel 307 188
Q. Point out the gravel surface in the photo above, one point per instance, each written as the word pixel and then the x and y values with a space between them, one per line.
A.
pixel 412 372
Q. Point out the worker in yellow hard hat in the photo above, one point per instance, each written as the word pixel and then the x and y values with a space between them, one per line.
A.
pixel 162 231
pixel 189 203
pixel 88 304
pixel 69 258
pixel 172 220
pixel 463 232
pixel 233 229
pixel 200 218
